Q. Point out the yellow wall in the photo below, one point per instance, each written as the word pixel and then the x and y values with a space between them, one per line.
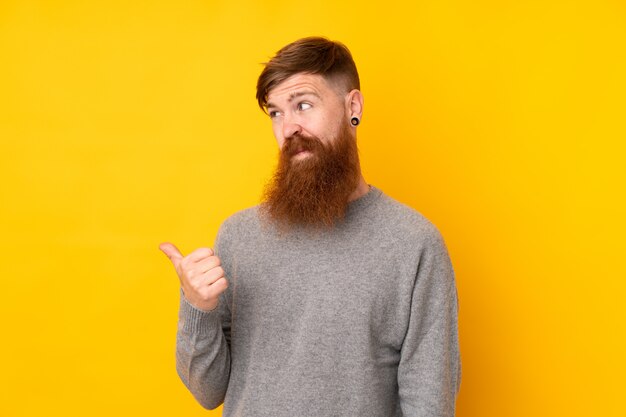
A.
pixel 125 123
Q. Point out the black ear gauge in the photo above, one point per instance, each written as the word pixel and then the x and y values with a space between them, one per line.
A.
pixel 355 121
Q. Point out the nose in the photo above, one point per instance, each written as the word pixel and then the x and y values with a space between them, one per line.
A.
pixel 290 127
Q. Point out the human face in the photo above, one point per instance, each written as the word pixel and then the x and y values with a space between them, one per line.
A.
pixel 308 105
pixel 318 168
pixel 316 190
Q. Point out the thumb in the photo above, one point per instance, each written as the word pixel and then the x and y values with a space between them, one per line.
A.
pixel 172 252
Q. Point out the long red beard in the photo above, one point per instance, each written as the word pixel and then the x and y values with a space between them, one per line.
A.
pixel 313 191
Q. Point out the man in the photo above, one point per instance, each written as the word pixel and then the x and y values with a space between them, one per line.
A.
pixel 329 298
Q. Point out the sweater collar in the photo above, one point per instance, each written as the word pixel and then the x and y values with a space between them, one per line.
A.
pixel 365 200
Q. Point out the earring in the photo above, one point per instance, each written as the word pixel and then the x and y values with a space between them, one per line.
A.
pixel 355 121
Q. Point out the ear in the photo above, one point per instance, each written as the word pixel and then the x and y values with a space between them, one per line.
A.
pixel 354 104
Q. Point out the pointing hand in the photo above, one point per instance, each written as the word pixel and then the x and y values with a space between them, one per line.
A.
pixel 201 276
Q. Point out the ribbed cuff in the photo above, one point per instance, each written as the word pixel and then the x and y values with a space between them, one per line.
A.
pixel 194 320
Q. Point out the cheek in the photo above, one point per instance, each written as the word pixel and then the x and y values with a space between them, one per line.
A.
pixel 277 135
pixel 332 123
pixel 331 131
pixel 321 127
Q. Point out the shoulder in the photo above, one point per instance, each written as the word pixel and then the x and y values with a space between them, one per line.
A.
pixel 235 229
pixel 406 223
pixel 416 235
pixel 238 223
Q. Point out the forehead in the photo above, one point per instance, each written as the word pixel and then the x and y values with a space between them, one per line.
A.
pixel 301 83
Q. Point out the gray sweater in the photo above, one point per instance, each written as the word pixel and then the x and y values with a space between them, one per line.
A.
pixel 357 321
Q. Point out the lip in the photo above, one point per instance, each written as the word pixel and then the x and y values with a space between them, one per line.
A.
pixel 301 153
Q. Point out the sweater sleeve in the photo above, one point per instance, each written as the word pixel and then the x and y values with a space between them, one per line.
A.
pixel 429 373
pixel 203 344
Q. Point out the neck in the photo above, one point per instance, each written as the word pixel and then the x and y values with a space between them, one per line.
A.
pixel 361 189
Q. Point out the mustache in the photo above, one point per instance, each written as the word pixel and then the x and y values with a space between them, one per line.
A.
pixel 297 143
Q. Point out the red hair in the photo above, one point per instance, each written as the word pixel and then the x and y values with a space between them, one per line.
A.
pixel 313 55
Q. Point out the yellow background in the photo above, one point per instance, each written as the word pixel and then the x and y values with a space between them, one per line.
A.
pixel 126 123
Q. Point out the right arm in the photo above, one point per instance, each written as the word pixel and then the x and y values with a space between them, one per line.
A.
pixel 202 351
pixel 203 336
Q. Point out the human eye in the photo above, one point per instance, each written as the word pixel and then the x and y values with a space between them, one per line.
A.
pixel 304 106
pixel 273 113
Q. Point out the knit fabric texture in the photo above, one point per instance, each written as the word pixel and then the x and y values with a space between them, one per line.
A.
pixel 359 320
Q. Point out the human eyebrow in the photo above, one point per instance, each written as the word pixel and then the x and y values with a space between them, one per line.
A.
pixel 303 93
pixel 292 96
